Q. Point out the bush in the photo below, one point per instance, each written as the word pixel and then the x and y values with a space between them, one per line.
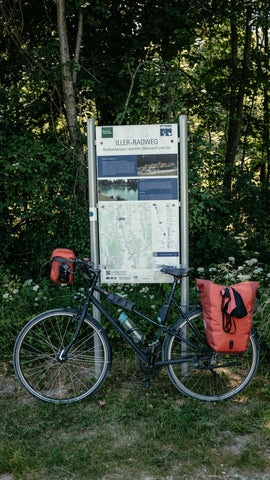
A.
pixel 21 300
pixel 230 272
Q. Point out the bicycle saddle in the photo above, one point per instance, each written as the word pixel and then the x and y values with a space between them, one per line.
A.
pixel 177 272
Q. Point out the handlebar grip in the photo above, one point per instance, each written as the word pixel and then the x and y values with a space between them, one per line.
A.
pixel 86 266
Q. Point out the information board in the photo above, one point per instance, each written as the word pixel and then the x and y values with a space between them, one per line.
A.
pixel 138 202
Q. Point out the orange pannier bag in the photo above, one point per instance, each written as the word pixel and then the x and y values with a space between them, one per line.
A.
pixel 227 330
pixel 62 268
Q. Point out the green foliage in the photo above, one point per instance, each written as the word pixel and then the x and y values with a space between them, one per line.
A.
pixel 39 211
pixel 23 299
pixel 263 322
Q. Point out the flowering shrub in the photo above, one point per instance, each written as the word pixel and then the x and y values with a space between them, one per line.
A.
pixel 20 301
pixel 228 273
pixel 262 320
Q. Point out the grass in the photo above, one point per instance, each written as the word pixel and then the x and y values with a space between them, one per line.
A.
pixel 128 432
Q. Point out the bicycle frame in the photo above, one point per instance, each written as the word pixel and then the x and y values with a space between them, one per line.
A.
pixel 91 299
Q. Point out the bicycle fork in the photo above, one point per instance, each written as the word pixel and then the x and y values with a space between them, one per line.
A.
pixel 63 355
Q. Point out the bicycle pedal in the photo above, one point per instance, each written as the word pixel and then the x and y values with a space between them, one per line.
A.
pixel 146 382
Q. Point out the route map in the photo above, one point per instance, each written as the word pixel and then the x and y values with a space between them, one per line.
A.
pixel 145 238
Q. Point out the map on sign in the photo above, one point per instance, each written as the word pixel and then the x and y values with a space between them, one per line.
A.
pixel 138 208
pixel 143 239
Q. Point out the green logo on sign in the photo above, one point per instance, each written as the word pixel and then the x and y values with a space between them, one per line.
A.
pixel 107 132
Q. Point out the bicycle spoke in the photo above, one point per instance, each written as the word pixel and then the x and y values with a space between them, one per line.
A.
pixel 44 374
pixel 209 376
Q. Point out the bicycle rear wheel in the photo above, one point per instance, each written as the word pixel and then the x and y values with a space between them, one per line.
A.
pixel 201 373
pixel 38 366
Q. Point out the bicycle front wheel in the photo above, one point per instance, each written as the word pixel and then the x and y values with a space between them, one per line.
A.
pixel 38 364
pixel 199 372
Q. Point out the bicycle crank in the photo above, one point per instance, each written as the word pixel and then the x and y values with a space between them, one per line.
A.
pixel 148 370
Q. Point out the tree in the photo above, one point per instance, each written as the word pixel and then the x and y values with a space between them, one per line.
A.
pixel 265 166
pixel 239 83
pixel 69 77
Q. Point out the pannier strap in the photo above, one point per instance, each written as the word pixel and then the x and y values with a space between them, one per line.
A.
pixel 62 260
pixel 232 307
pixel 230 304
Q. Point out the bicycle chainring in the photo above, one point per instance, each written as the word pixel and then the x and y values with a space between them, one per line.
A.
pixel 148 370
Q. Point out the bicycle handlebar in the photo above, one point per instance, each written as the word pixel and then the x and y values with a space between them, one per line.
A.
pixel 86 266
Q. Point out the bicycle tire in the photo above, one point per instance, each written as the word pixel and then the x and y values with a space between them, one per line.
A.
pixel 43 374
pixel 207 375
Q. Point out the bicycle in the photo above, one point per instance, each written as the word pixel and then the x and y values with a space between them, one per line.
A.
pixel 64 355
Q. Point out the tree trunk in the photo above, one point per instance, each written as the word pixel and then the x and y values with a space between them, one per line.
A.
pixel 265 167
pixel 69 76
pixel 239 81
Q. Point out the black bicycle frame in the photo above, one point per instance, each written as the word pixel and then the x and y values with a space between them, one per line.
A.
pixel 161 326
pixel 91 298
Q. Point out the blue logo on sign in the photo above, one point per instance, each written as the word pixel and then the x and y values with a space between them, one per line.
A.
pixel 165 130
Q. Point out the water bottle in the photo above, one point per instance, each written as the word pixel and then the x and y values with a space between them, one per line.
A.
pixel 131 329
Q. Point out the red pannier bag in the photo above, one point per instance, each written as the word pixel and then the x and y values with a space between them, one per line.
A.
pixel 62 268
pixel 227 326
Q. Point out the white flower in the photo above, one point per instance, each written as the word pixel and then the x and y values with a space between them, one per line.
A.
pixel 258 270
pixel 5 296
pixel 27 283
pixel 268 275
pixel 200 269
pixel 243 278
pixel 15 291
pixel 228 276
pixel 36 288
pixel 144 290
pixel 212 269
pixel 240 269
pixel 251 262
pixel 231 259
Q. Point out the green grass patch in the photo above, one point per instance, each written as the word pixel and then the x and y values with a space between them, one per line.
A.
pixel 128 432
